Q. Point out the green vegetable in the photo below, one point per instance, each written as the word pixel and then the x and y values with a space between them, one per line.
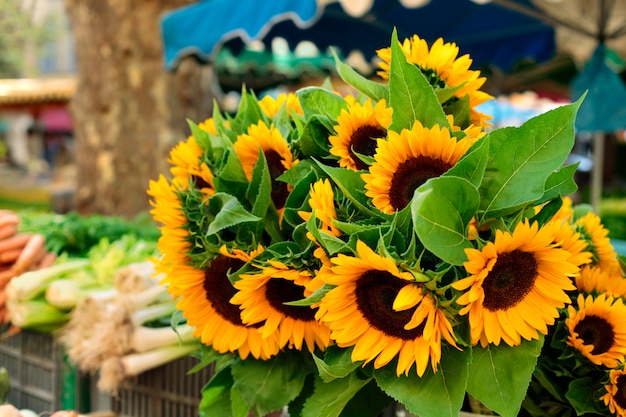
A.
pixel 4 385
pixel 33 283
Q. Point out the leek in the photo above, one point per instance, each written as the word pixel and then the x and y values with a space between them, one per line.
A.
pixel 65 293
pixel 114 370
pixel 37 315
pixel 34 283
pixel 148 338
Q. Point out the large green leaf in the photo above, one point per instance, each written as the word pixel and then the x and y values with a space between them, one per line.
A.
pixel 439 394
pixel 560 183
pixel 472 165
pixel 500 375
pixel 369 401
pixel 316 101
pixel 374 90
pixel 410 94
pixel 260 189
pixel 271 384
pixel 522 159
pixel 313 140
pixel 583 395
pixel 351 185
pixel 228 212
pixel 337 363
pixel 216 395
pixel 330 398
pixel 441 210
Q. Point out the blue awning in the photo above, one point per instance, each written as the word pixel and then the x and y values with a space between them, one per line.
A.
pixel 491 34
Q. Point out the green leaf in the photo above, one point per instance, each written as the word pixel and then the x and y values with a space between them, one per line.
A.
pixel 369 401
pixel 522 159
pixel 314 138
pixel 337 363
pixel 560 183
pixel 238 405
pixel 446 93
pixel 351 185
pixel 410 95
pixel 472 165
pixel 374 90
pixel 580 395
pixel 441 210
pixel 216 395
pixel 439 394
pixel 271 384
pixel 330 398
pixel 229 211
pixel 500 375
pixel 316 101
pixel 260 188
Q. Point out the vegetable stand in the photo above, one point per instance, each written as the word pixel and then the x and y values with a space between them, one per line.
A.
pixel 53 350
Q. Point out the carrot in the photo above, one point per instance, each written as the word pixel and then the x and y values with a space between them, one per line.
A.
pixel 30 252
pixel 8 230
pixel 47 260
pixel 10 255
pixel 6 276
pixel 9 218
pixel 17 241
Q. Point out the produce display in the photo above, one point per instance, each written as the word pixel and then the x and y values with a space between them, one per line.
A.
pixel 91 283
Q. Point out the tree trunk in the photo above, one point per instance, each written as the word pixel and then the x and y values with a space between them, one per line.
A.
pixel 128 110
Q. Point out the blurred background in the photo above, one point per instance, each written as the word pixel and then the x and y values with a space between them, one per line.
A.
pixel 94 93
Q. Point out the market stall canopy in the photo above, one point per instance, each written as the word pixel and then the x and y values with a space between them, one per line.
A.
pixel 490 33
pixel 33 92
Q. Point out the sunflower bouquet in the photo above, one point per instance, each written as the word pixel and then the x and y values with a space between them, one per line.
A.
pixel 336 254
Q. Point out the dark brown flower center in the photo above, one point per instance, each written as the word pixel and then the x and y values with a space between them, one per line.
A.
pixel 363 141
pixel 511 279
pixel 279 188
pixel 219 290
pixel 279 291
pixel 200 182
pixel 596 331
pixel 409 175
pixel 375 293
pixel 620 395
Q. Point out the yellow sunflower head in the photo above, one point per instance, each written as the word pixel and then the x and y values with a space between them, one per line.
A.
pixel 442 67
pixel 322 205
pixel 262 297
pixel 566 237
pixel 174 241
pixel 358 127
pixel 597 329
pixel 598 243
pixel 271 105
pixel 594 280
pixel 516 285
pixel 186 160
pixel 204 300
pixel 261 138
pixel 615 397
pixel 382 312
pixel 407 160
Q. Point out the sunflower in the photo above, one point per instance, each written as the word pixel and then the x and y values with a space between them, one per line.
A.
pixel 615 398
pixel 262 297
pixel 442 67
pixel 322 203
pixel 186 160
pixel 407 160
pixel 597 329
pixel 516 285
pixel 357 129
pixel 203 298
pixel 174 241
pixel 382 312
pixel 271 105
pixel 269 140
pixel 566 237
pixel 598 242
pixel 594 280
